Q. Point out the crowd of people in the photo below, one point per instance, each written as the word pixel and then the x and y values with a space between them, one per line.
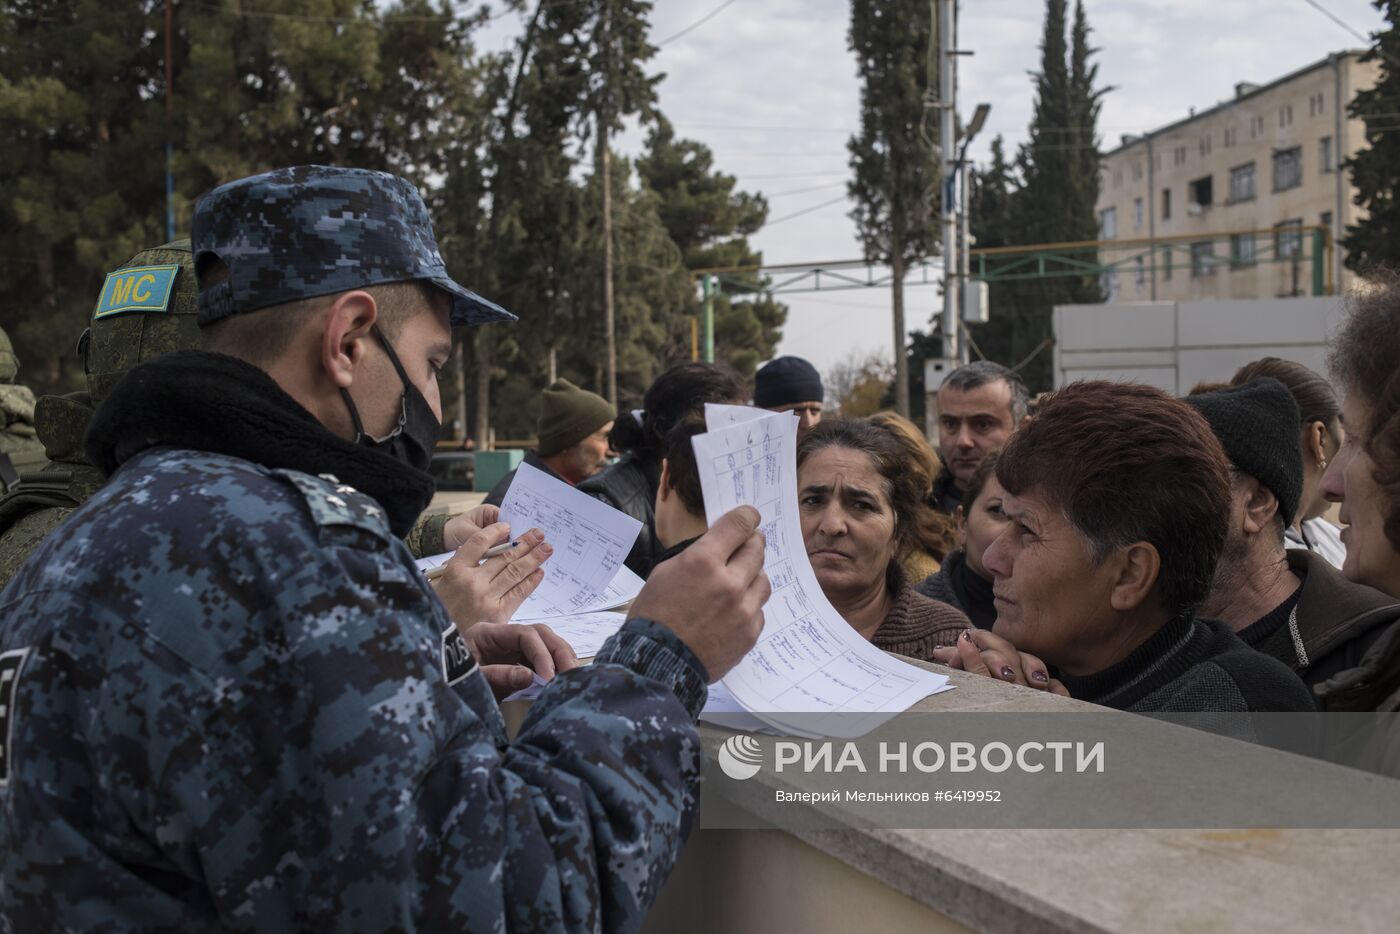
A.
pixel 227 695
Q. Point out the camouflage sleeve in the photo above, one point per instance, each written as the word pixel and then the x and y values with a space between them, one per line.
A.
pixel 425 538
pixel 360 779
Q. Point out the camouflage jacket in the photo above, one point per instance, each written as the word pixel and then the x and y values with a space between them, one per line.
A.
pixel 229 700
pixel 18 438
pixel 44 498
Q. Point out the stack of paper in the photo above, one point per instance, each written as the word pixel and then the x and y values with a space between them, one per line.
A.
pixel 585 575
pixel 808 659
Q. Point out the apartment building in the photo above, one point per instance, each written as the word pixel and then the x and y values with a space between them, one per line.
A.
pixel 1223 204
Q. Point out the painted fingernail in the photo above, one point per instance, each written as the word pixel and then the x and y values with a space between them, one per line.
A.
pixel 1007 673
pixel 1039 676
pixel 967 635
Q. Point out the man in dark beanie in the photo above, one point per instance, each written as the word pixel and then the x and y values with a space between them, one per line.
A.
pixel 1291 605
pixel 573 437
pixel 790 384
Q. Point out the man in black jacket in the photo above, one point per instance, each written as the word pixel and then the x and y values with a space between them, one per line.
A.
pixel 1286 603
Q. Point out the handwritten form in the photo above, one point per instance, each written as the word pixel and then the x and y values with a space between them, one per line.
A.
pixel 585 575
pixel 808 659
pixel 589 537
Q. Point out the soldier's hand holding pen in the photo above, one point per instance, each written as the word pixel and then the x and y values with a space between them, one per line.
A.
pixel 476 588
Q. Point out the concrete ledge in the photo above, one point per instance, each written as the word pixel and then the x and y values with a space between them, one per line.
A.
pixel 1050 880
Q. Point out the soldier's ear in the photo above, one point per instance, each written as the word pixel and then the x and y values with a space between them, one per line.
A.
pixel 346 334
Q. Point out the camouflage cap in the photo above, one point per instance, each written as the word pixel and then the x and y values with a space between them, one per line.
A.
pixel 316 230
pixel 9 363
pixel 147 307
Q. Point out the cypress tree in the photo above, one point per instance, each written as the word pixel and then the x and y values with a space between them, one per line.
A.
pixel 1374 241
pixel 895 174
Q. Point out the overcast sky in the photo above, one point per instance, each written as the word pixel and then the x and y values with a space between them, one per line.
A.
pixel 770 86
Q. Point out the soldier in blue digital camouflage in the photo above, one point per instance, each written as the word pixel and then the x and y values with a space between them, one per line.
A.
pixel 229 700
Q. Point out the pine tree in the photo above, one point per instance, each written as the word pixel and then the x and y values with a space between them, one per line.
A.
pixel 1374 241
pixel 895 175
pixel 76 179
pixel 710 222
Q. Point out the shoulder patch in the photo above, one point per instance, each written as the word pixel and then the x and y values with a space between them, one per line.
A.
pixel 334 503
pixel 137 288
pixel 11 664
pixel 457 660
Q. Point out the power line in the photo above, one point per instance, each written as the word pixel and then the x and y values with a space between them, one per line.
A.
pixel 815 207
pixel 350 20
pixel 697 24
pixel 756 178
pixel 799 191
pixel 1369 40
pixel 1329 14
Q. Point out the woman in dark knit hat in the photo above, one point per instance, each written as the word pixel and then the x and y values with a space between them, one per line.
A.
pixel 858 511
pixel 1117 497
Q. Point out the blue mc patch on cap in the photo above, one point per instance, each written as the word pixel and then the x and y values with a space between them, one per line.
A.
pixel 137 288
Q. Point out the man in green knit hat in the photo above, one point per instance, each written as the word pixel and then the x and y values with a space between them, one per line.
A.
pixel 573 437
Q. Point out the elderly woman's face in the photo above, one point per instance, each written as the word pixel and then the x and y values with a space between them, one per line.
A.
pixel 1051 600
pixel 1351 480
pixel 848 523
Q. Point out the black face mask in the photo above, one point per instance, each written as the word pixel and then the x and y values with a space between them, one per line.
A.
pixel 414 439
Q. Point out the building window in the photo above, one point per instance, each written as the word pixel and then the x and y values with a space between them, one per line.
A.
pixel 1285 115
pixel 1199 194
pixel 1288 238
pixel 1137 213
pixel 1179 155
pixel 1242 183
pixel 1242 250
pixel 1117 178
pixel 1108 223
pixel 1139 272
pixel 1166 204
pixel 1324 154
pixel 1325 219
pixel 1166 263
pixel 1137 171
pixel 1288 168
pixel 1202 259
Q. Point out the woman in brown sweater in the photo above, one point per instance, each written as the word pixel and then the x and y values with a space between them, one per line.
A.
pixel 858 505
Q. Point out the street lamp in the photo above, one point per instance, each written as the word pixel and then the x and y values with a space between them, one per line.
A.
pixel 979 117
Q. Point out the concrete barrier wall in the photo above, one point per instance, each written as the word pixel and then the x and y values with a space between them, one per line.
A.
pixel 1175 345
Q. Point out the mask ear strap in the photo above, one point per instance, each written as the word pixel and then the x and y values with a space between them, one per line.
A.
pixel 393 357
pixel 354 416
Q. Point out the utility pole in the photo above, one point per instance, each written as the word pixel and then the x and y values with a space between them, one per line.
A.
pixel 459 379
pixel 169 121
pixel 604 169
pixel 605 179
pixel 707 291
pixel 979 117
pixel 948 92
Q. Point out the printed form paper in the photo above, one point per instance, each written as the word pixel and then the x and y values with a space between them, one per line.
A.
pixel 585 632
pixel 808 659
pixel 589 537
